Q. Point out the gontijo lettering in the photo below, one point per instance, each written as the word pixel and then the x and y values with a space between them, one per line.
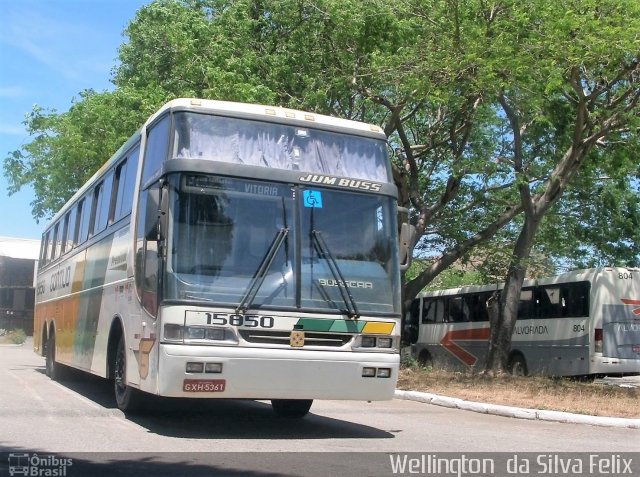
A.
pixel 60 279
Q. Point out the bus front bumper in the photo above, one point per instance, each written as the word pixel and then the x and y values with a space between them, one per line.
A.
pixel 260 373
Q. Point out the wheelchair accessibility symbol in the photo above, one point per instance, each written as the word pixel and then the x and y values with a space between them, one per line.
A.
pixel 312 199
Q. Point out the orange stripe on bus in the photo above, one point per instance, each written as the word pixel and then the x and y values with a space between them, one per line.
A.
pixel 449 343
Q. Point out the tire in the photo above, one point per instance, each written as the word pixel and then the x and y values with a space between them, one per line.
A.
pixel 127 398
pixel 517 365
pixel 52 369
pixel 425 359
pixel 291 408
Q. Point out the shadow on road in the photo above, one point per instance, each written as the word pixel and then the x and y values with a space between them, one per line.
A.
pixel 218 418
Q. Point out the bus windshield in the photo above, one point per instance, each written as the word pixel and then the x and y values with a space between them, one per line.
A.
pixel 256 143
pixel 225 232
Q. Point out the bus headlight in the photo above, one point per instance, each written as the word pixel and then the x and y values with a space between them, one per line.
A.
pixel 193 333
pixel 215 334
pixel 195 367
pixel 368 372
pixel 173 332
pixel 198 334
pixel 376 342
pixel 213 368
pixel 368 342
pixel 384 372
pixel 385 342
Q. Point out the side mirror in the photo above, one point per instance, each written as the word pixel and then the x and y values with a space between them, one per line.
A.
pixel 151 215
pixel 407 236
pixel 156 214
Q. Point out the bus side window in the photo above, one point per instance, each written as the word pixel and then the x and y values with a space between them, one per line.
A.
pixel 82 221
pixel 550 305
pixel 458 310
pixel 157 148
pixel 412 323
pixel 102 204
pixel 526 304
pixel 575 299
pixel 123 187
pixel 54 243
pixel 71 229
pixel 429 311
pixel 44 248
pixel 441 310
pixel 65 231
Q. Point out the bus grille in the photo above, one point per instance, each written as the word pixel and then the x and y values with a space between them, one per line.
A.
pixel 332 340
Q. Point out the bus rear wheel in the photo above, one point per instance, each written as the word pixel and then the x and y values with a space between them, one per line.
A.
pixel 291 408
pixel 127 398
pixel 51 367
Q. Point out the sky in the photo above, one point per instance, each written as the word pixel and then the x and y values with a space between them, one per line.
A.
pixel 50 51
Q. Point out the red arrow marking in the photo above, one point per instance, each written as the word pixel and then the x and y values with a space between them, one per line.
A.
pixel 449 343
pixel 632 302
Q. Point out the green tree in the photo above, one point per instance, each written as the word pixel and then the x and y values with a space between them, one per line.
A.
pixel 436 74
pixel 67 148
pixel 579 93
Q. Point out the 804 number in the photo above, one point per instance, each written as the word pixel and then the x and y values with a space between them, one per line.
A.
pixel 625 276
pixel 249 321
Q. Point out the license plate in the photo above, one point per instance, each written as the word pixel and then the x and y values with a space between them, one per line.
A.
pixel 636 348
pixel 203 385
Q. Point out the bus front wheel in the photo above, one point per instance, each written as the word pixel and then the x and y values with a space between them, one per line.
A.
pixel 517 365
pixel 291 408
pixel 127 398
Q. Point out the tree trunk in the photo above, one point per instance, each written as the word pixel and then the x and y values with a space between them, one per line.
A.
pixel 503 313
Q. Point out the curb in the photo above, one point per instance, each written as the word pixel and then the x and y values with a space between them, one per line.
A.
pixel 517 412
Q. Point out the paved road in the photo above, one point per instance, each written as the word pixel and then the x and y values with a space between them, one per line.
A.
pixel 78 418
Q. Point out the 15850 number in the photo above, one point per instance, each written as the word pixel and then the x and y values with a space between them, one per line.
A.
pixel 249 321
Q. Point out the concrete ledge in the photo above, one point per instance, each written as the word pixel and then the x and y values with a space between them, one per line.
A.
pixel 517 412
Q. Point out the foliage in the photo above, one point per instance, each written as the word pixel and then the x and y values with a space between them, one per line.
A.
pixel 560 120
pixel 67 148
pixel 435 74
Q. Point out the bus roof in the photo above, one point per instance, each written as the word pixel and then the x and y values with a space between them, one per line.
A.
pixel 588 274
pixel 270 113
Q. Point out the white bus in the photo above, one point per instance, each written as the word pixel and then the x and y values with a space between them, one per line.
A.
pixel 230 251
pixel 584 322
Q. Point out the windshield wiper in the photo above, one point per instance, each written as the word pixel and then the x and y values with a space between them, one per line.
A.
pixel 258 277
pixel 324 252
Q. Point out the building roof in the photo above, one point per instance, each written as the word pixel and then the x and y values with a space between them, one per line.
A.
pixel 19 248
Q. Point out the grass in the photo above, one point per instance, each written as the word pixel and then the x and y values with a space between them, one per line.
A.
pixel 536 392
pixel 12 337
